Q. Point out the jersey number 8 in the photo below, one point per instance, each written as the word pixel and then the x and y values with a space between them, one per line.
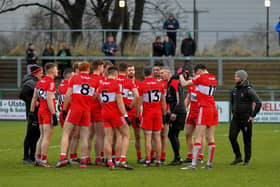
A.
pixel 85 89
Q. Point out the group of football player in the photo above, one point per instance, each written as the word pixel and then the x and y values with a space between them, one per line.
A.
pixel 102 101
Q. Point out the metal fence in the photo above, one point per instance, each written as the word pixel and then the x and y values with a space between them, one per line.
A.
pixel 215 43
pixel 16 63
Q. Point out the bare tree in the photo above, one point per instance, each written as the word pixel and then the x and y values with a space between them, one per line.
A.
pixel 72 16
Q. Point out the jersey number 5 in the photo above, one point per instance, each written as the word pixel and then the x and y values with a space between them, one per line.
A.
pixel 105 96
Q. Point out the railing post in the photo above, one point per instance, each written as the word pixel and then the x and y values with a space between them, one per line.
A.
pixel 220 72
pixel 152 61
pixel 272 96
pixel 19 69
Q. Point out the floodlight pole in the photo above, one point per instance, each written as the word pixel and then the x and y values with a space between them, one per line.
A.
pixel 51 23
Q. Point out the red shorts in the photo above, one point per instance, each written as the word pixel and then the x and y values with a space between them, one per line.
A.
pixel 95 113
pixel 113 121
pixel 207 116
pixel 192 118
pixel 80 118
pixel 132 117
pixel 44 118
pixel 152 122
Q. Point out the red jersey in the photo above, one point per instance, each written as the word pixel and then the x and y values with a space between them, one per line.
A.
pixel 193 98
pixel 206 85
pixel 43 86
pixel 127 86
pixel 98 79
pixel 151 91
pixel 108 91
pixel 62 91
pixel 131 97
pixel 83 89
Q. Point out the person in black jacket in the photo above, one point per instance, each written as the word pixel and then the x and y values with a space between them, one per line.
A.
pixel 63 64
pixel 243 96
pixel 32 132
pixel 188 48
pixel 48 51
pixel 157 47
pixel 30 57
pixel 171 24
pixel 175 98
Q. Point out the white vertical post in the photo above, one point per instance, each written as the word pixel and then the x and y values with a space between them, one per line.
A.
pixel 19 69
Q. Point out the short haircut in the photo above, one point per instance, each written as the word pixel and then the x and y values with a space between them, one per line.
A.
pixel 112 70
pixel 200 66
pixel 49 66
pixel 107 63
pixel 67 72
pixel 158 63
pixel 130 65
pixel 84 66
pixel 148 71
pixel 76 66
pixel 96 63
pixel 165 68
pixel 123 67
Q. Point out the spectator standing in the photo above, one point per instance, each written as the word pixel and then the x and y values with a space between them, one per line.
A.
pixel 171 24
pixel 188 48
pixel 158 47
pixel 109 48
pixel 30 57
pixel 169 51
pixel 63 64
pixel 48 51
pixel 32 132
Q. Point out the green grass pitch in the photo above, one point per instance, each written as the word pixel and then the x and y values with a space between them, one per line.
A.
pixel 262 171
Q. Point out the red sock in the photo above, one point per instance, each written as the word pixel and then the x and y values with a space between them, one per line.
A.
pixel 190 155
pixel 44 157
pixel 38 156
pixel 153 153
pixel 62 156
pixel 110 163
pixel 148 159
pixel 201 156
pixel 113 153
pixel 73 155
pixel 139 155
pixel 98 159
pixel 102 154
pixel 117 159
pixel 163 154
pixel 88 159
pixel 123 159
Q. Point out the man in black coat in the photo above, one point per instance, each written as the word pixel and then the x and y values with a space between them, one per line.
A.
pixel 63 64
pixel 175 99
pixel 30 57
pixel 32 131
pixel 157 47
pixel 171 24
pixel 188 48
pixel 243 96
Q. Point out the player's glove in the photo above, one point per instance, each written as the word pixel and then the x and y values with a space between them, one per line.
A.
pixel 127 107
pixel 54 120
pixel 64 114
pixel 138 122
pixel 31 117
pixel 127 119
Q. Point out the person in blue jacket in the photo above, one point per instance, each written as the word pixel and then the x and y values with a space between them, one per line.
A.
pixel 110 47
